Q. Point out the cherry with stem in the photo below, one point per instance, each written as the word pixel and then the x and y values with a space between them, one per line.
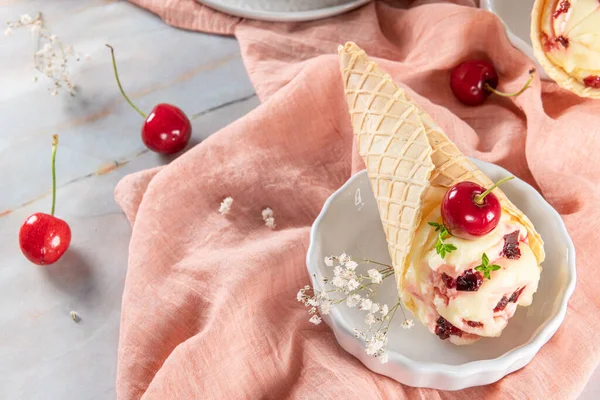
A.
pixel 474 80
pixel 470 210
pixel 166 129
pixel 44 238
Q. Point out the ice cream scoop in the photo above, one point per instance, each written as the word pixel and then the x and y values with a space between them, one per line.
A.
pixel 566 40
pixel 454 289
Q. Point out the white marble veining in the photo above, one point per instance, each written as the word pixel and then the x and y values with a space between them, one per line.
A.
pixel 44 354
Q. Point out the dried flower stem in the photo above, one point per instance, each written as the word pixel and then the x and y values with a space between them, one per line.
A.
pixel 356 292
pixel 378 263
pixel 51 59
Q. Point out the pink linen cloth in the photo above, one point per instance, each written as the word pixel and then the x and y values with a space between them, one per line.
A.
pixel 209 308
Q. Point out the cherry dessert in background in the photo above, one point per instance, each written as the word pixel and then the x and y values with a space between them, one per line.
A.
pixel 167 129
pixel 473 81
pixel 43 237
pixel 469 210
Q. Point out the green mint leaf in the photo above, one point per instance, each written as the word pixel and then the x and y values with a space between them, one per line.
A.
pixel 480 268
pixel 450 247
pixel 484 259
pixel 434 224
pixel 495 267
pixel 487 274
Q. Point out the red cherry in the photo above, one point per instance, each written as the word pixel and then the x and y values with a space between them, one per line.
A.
pixel 469 210
pixel 166 130
pixel 44 238
pixel 468 80
pixel 474 80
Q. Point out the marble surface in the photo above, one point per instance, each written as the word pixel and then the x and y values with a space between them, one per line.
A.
pixel 44 354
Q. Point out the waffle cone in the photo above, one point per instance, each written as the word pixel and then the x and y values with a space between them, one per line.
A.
pixel 405 153
pixel 393 143
pixel 544 9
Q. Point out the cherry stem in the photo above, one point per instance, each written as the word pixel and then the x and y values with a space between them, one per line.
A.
pixel 114 62
pixel 54 147
pixel 499 93
pixel 479 198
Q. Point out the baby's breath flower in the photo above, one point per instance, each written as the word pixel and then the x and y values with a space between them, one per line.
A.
pixel 375 276
pixel 25 19
pixel 351 265
pixel 374 308
pixel 312 302
pixel 352 285
pixel 51 59
pixel 370 319
pixel 338 282
pixel 376 343
pixel 408 323
pixel 366 304
pixel 353 300
pixel 354 288
pixel 45 50
pixel 270 222
pixel 384 310
pixel 347 274
pixel 383 358
pixel 267 215
pixel 325 307
pixel 226 205
pixel 343 259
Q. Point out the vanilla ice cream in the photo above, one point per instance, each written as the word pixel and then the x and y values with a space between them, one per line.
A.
pixel 449 296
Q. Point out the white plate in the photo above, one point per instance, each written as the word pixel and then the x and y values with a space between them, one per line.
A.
pixel 284 10
pixel 417 357
pixel 516 16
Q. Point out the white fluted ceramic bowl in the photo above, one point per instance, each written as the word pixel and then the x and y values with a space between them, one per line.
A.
pixel 349 222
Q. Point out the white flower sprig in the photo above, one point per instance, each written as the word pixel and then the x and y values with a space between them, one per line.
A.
pixel 225 206
pixel 356 291
pixel 267 215
pixel 50 57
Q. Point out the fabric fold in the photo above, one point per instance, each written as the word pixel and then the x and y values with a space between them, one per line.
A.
pixel 209 307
